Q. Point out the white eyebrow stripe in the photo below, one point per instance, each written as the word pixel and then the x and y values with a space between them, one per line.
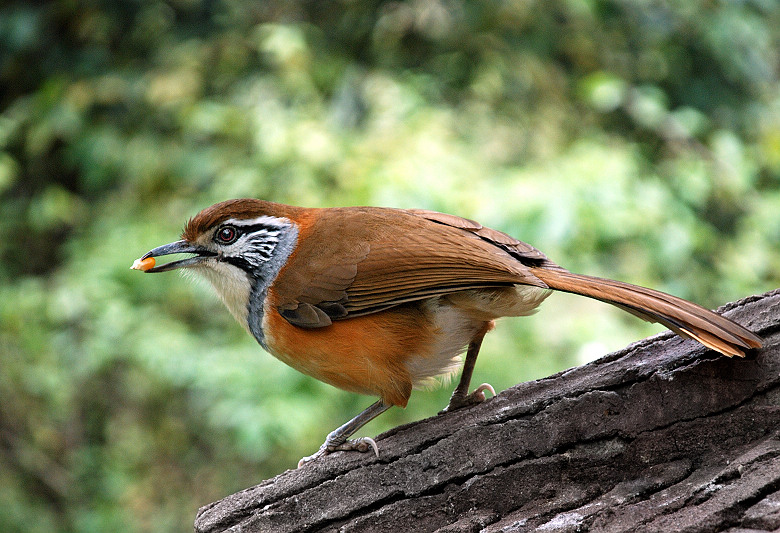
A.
pixel 264 221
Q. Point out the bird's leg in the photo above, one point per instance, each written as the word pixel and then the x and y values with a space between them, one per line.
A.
pixel 337 439
pixel 460 396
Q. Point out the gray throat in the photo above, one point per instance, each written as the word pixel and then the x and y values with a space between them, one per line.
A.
pixel 264 277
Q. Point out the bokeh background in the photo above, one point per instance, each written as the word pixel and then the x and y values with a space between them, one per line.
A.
pixel 634 139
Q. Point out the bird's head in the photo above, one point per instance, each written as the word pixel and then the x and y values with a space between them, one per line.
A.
pixel 237 245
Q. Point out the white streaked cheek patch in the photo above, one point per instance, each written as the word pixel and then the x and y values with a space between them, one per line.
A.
pixel 260 245
pixel 258 240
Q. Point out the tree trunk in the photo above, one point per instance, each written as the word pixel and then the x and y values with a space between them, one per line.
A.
pixel 663 435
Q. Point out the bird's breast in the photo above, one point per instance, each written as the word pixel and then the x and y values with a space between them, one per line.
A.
pixel 367 354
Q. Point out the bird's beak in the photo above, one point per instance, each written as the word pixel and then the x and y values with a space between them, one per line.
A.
pixel 146 262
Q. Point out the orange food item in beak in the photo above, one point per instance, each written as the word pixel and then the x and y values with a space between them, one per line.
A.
pixel 143 264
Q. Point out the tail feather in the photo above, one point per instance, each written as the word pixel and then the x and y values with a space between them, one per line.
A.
pixel 681 316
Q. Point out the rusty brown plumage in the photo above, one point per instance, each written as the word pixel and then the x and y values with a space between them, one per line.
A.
pixel 242 208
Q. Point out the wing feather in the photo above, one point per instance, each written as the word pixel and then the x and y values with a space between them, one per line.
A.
pixel 391 257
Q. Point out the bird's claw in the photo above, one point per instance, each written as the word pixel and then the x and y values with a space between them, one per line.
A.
pixel 363 444
pixel 478 396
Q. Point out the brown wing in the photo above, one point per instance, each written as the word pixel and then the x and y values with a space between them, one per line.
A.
pixel 523 252
pixel 355 261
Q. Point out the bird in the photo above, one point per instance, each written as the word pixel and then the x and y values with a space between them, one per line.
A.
pixel 380 301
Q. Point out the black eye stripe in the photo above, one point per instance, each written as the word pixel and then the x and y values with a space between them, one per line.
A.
pixel 253 228
pixel 229 233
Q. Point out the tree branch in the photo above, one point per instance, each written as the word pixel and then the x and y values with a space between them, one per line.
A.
pixel 663 435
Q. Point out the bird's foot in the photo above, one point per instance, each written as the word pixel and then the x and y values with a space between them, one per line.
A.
pixel 363 444
pixel 458 401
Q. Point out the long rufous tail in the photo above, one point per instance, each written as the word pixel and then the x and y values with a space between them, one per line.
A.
pixel 681 316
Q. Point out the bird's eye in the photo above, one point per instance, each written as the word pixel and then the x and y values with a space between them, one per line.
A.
pixel 227 235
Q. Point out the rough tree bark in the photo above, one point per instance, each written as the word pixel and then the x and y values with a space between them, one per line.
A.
pixel 663 435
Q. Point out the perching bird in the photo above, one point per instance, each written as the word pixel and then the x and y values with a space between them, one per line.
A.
pixel 379 301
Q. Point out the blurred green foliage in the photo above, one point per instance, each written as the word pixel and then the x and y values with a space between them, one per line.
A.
pixel 632 139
